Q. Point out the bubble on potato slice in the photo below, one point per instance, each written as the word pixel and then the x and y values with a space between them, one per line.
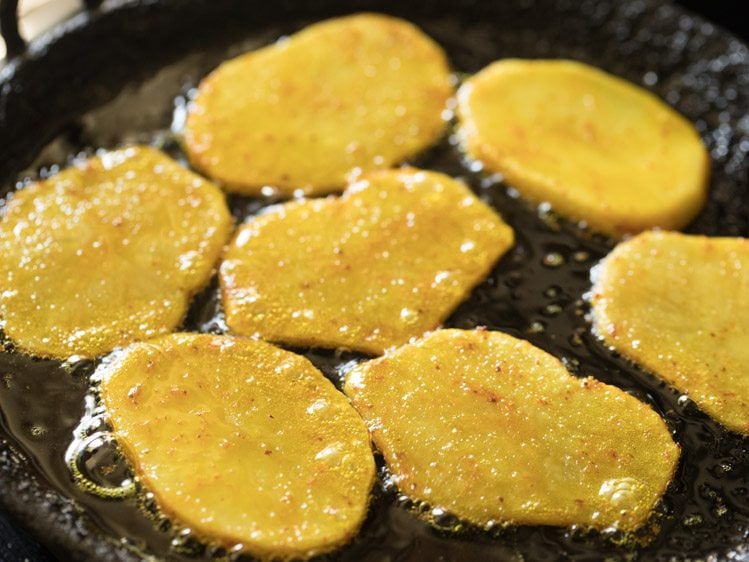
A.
pixel 358 92
pixel 495 430
pixel 597 148
pixel 107 252
pixel 242 442
pixel 386 262
pixel 678 305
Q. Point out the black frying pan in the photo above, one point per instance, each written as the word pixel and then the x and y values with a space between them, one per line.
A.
pixel 111 75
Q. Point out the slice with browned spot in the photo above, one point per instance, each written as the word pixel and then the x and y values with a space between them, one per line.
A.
pixel 242 442
pixel 493 429
pixel 678 305
pixel 386 262
pixel 107 252
pixel 357 92
pixel 599 149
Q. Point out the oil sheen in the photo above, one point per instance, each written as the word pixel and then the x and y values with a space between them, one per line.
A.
pixel 49 410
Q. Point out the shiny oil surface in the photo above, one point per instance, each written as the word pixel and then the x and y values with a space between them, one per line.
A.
pixel 536 292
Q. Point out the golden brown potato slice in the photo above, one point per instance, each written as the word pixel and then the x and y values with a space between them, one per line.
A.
pixel 242 442
pixel 387 261
pixel 679 306
pixel 363 91
pixel 493 429
pixel 107 252
pixel 596 147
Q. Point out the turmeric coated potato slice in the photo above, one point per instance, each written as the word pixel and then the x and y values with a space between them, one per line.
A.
pixel 242 442
pixel 363 91
pixel 386 262
pixel 597 148
pixel 493 429
pixel 106 252
pixel 679 306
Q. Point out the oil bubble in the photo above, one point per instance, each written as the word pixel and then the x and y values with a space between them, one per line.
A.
pixel 553 259
pixel 536 327
pixel 581 256
pixel 552 310
pixel 552 292
pixel 97 467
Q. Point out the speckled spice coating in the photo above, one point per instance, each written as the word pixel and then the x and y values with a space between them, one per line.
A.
pixel 698 69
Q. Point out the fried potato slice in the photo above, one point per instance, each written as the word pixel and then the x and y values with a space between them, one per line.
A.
pixel 596 147
pixel 494 429
pixel 387 261
pixel 678 305
pixel 242 442
pixel 107 252
pixel 362 91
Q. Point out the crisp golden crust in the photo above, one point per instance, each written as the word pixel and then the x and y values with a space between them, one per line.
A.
pixel 493 429
pixel 242 442
pixel 386 262
pixel 598 148
pixel 679 306
pixel 363 91
pixel 107 252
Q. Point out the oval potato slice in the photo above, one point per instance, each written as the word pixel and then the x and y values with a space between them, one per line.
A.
pixel 363 91
pixel 386 262
pixel 493 429
pixel 678 305
pixel 243 442
pixel 596 147
pixel 107 252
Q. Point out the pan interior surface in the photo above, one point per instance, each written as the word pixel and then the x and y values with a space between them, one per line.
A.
pixel 65 98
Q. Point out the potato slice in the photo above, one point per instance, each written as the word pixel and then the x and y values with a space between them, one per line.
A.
pixel 107 252
pixel 387 261
pixel 493 429
pixel 596 147
pixel 679 306
pixel 242 442
pixel 363 91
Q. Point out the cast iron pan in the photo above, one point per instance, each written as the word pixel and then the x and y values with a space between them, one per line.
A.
pixel 117 73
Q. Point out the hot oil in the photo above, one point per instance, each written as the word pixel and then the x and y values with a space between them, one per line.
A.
pixel 536 292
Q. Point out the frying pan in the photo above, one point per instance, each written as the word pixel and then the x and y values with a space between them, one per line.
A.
pixel 116 73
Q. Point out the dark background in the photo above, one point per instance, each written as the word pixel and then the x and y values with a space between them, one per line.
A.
pixel 729 14
pixel 17 546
